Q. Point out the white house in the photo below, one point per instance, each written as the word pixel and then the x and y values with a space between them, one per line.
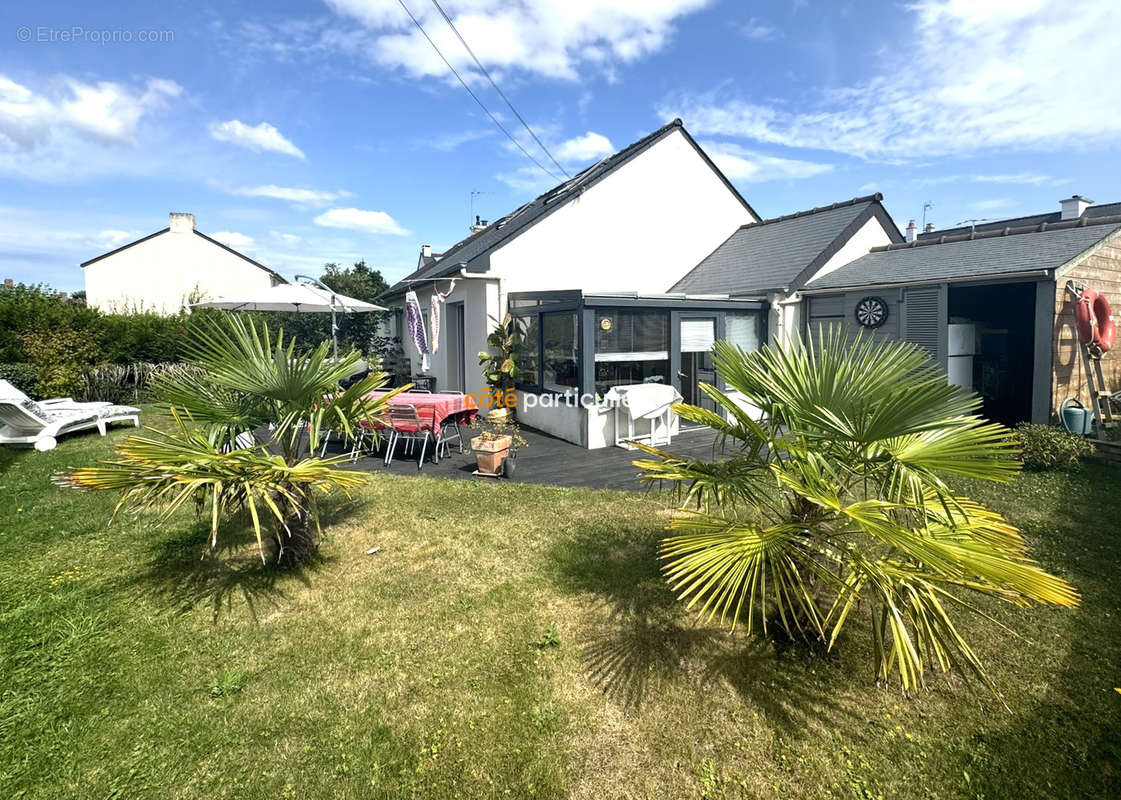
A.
pixel 167 269
pixel 585 268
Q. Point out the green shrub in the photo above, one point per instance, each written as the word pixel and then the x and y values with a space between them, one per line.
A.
pixel 61 357
pixel 22 375
pixel 1048 447
pixel 25 308
pixel 149 338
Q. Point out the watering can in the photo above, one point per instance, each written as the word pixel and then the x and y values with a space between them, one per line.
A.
pixel 1076 418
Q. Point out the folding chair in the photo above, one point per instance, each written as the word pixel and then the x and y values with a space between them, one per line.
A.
pixel 404 423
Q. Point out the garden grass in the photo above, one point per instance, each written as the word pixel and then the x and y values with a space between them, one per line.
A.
pixel 508 641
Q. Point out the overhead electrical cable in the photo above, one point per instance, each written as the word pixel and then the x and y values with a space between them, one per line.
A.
pixel 501 94
pixel 475 97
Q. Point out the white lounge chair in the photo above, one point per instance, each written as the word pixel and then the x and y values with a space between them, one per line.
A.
pixel 24 421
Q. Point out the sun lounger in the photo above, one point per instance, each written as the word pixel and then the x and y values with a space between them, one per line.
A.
pixel 24 421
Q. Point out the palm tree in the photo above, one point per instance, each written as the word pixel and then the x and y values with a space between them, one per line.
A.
pixel 831 501
pixel 241 379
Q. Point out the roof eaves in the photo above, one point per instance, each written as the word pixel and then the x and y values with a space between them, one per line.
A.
pixel 1043 227
pixel 124 247
pixel 1066 266
pixel 877 197
pixel 991 277
pixel 229 249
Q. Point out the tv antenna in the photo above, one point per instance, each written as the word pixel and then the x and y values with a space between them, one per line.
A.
pixel 925 207
pixel 972 223
pixel 474 193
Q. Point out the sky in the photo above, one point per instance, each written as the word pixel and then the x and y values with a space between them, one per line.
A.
pixel 306 132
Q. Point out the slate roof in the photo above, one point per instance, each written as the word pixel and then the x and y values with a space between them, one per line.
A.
pixel 476 248
pixel 782 253
pixel 980 255
pixel 1091 213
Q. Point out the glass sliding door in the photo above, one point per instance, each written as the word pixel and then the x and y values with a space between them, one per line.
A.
pixel 698 334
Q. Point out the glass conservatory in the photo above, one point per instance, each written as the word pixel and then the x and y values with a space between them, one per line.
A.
pixel 577 347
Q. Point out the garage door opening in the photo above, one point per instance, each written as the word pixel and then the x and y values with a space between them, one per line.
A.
pixel 991 346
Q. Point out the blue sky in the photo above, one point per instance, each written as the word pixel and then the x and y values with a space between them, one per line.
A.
pixel 306 132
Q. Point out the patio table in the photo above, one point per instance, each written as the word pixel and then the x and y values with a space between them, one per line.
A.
pixel 435 409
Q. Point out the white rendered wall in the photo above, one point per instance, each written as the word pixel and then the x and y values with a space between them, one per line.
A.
pixel 638 230
pixel 480 309
pixel 164 272
pixel 871 234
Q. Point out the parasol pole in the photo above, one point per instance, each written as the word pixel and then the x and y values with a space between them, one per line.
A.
pixel 334 316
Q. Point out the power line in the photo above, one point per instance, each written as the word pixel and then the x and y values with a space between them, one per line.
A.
pixel 501 94
pixel 475 97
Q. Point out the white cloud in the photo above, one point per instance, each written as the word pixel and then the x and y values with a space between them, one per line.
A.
pixel 106 112
pixel 289 239
pixel 1009 74
pixel 580 149
pixel 291 194
pixel 527 180
pixel 1024 178
pixel 757 30
pixel 738 163
pixel 545 37
pixel 991 205
pixel 115 238
pixel 356 219
pixel 260 137
pixel 233 239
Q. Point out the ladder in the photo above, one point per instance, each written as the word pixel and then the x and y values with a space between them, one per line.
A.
pixel 1100 397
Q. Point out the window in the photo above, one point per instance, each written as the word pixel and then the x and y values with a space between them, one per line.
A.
pixel 561 346
pixel 742 330
pixel 631 347
pixel 627 333
pixel 526 360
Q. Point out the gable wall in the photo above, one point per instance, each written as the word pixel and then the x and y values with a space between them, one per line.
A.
pixel 871 234
pixel 639 229
pixel 162 273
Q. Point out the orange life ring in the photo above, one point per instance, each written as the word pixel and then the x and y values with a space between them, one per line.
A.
pixel 1094 318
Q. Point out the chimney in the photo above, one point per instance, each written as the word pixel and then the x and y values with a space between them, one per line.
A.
pixel 480 224
pixel 1074 206
pixel 9 282
pixel 912 231
pixel 426 251
pixel 929 228
pixel 181 223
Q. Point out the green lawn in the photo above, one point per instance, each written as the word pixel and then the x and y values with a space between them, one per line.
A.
pixel 130 667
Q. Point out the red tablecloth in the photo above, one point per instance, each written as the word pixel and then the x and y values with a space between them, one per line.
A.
pixel 434 409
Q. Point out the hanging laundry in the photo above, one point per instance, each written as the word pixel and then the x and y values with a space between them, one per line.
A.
pixel 434 315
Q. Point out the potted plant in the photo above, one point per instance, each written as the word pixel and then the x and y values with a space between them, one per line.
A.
pixel 495 444
pixel 500 367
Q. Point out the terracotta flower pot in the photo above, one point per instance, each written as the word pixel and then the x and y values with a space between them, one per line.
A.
pixel 489 454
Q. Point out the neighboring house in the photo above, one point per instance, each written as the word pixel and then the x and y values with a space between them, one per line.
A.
pixel 774 258
pixel 164 271
pixel 585 268
pixel 990 303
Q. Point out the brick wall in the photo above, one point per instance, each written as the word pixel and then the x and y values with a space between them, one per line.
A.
pixel 1102 271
